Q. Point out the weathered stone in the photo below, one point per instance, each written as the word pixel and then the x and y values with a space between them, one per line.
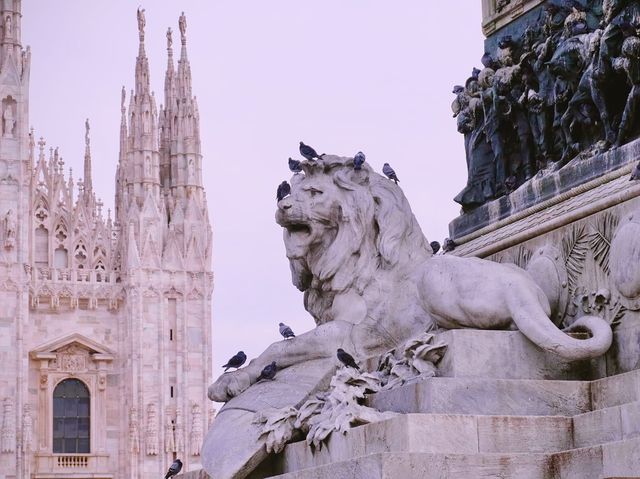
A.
pixel 486 397
pixel 508 355
pixel 531 434
pixel 597 427
pixel 615 390
pixel 621 458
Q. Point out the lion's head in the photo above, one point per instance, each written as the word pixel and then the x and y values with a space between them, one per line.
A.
pixel 342 226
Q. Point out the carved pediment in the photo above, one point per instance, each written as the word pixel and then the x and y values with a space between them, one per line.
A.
pixel 72 353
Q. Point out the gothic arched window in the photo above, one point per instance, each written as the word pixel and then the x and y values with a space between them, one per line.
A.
pixel 71 417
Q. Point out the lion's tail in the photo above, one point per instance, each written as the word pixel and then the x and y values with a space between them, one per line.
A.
pixel 536 326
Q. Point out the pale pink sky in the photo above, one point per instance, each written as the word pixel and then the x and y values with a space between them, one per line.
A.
pixel 341 75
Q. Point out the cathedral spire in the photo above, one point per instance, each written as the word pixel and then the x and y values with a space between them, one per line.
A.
pixel 140 171
pixel 169 78
pixel 142 63
pixel 88 183
pixel 184 68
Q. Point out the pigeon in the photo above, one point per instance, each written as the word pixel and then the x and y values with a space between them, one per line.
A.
pixel 388 171
pixel 284 190
pixel 435 246
pixel 358 161
pixel 449 245
pixel 635 174
pixel 286 331
pixel 294 166
pixel 269 372
pixel 174 469
pixel 236 361
pixel 346 359
pixel 308 152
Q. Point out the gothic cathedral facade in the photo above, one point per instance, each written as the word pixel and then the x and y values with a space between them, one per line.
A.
pixel 105 324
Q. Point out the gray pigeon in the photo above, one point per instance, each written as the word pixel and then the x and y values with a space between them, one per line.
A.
pixel 346 359
pixel 308 152
pixel 435 246
pixel 449 245
pixel 358 161
pixel 294 166
pixel 174 469
pixel 269 372
pixel 635 174
pixel 284 190
pixel 236 361
pixel 388 171
pixel 286 331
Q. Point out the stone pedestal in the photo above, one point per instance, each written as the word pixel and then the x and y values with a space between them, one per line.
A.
pixel 508 421
pixel 500 406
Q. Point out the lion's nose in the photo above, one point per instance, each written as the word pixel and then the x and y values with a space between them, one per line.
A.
pixel 285 203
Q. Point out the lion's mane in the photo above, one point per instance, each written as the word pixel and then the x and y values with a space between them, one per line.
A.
pixel 376 234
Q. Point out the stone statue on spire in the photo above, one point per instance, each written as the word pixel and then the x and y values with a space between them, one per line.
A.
pixel 182 22
pixel 141 22
pixel 123 97
pixel 86 132
pixel 169 38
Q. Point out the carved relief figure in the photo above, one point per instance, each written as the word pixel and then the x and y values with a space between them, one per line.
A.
pixel 169 436
pixel 195 438
pixel 211 416
pixel 190 171
pixel 27 429
pixel 151 440
pixel 8 431
pixel 179 431
pixel 8 27
pixel 568 86
pixel 147 166
pixel 10 226
pixel 354 245
pixel 134 433
pixel 73 359
pixel 8 119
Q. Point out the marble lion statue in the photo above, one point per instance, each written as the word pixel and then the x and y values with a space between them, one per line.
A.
pixel 370 280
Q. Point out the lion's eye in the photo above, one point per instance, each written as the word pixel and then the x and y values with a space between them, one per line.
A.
pixel 314 192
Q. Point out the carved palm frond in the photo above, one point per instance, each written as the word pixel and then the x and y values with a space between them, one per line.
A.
pixel 522 257
pixel 600 239
pixel 496 258
pixel 575 246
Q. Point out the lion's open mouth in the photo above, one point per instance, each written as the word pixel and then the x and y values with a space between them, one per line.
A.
pixel 298 228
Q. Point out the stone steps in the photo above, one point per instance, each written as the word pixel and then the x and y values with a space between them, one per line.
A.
pixel 614 460
pixel 455 434
pixel 508 397
pixel 500 408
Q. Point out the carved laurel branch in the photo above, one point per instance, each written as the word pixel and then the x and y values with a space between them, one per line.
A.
pixel 341 407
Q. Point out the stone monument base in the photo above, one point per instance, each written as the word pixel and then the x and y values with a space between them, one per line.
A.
pixel 498 409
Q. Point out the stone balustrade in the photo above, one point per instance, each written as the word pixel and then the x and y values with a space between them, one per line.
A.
pixel 73 463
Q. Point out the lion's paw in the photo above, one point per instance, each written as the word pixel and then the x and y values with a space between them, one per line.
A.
pixel 229 385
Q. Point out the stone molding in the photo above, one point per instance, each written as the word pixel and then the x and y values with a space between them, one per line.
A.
pixel 568 207
pixel 494 17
